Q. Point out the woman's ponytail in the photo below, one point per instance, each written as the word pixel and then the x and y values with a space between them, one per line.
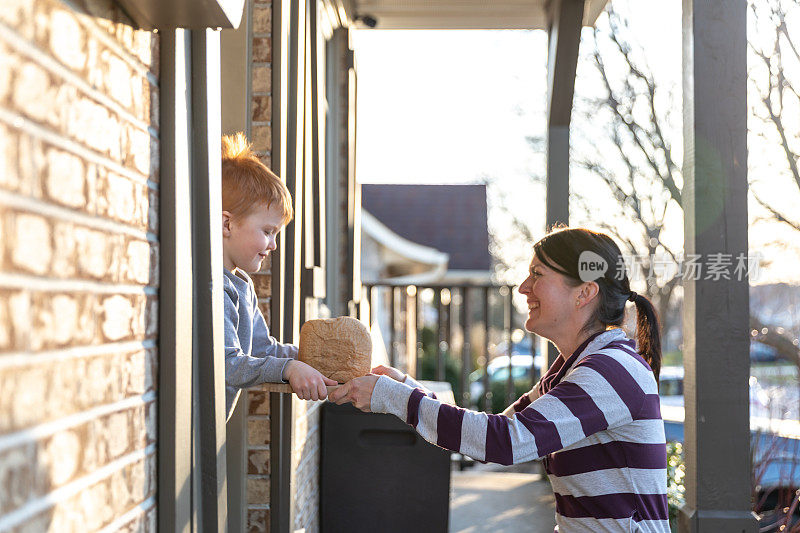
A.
pixel 648 336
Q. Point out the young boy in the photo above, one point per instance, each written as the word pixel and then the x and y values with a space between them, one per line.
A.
pixel 256 205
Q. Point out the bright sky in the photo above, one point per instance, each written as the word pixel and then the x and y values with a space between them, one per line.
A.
pixel 457 106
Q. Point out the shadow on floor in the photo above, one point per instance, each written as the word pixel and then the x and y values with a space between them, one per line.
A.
pixel 498 499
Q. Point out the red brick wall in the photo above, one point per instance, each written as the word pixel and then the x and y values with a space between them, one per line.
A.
pixel 78 267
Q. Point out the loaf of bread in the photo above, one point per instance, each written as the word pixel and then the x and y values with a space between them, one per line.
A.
pixel 340 348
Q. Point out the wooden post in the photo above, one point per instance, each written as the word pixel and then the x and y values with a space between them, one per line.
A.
pixel 716 312
pixel 466 350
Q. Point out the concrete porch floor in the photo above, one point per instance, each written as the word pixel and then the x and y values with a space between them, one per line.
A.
pixel 499 499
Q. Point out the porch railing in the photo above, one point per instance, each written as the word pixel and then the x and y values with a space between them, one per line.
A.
pixel 470 326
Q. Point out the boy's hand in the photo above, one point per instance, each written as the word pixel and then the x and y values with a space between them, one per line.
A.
pixel 307 382
pixel 389 371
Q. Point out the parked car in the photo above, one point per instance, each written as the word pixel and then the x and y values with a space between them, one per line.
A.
pixel 762 353
pixel 670 385
pixel 497 368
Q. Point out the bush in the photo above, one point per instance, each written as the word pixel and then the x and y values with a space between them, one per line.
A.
pixel 427 363
pixel 675 487
pixel 498 394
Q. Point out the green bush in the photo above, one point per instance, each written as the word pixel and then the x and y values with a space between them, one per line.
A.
pixel 427 363
pixel 672 358
pixel 675 487
pixel 498 390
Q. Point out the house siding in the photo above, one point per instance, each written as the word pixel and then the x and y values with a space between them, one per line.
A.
pixel 78 267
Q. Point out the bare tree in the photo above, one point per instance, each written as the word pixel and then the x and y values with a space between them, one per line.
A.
pixel 634 163
pixel 775 78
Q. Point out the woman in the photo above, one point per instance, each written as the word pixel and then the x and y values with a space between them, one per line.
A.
pixel 595 414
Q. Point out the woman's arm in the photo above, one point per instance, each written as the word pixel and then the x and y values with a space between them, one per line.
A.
pixel 599 394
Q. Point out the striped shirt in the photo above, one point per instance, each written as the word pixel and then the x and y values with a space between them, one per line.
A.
pixel 599 429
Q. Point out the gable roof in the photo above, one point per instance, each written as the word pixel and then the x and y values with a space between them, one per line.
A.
pixel 449 218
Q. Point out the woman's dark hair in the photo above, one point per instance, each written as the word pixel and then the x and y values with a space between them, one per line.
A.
pixel 562 250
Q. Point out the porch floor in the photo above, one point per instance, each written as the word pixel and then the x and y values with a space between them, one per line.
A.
pixel 500 499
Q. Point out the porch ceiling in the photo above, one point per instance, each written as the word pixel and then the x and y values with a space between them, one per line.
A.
pixel 466 14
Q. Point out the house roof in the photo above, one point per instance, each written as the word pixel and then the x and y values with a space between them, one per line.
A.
pixel 449 218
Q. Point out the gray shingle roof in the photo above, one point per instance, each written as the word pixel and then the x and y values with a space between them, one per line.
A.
pixel 450 218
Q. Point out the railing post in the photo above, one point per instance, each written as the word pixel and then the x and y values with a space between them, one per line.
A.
pixel 437 301
pixel 508 326
pixel 369 306
pixel 465 348
pixel 411 329
pixel 418 318
pixel 447 299
pixel 392 326
pixel 487 391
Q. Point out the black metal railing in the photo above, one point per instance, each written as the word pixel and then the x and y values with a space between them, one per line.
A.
pixel 432 332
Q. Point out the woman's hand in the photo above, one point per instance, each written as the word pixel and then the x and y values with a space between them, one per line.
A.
pixel 357 391
pixel 389 371
pixel 307 382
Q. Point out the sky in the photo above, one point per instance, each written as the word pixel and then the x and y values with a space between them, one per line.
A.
pixel 458 107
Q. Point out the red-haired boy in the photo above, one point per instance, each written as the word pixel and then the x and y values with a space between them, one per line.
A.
pixel 256 205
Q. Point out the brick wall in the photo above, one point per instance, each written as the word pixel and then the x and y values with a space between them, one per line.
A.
pixel 78 268
pixel 305 466
pixel 258 421
pixel 305 434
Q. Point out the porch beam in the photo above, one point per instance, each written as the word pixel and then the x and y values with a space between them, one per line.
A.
pixel 716 312
pixel 151 14
pixel 564 34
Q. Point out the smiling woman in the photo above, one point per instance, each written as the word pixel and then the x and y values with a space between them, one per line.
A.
pixel 594 417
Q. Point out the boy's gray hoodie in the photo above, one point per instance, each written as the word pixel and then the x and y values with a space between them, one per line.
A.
pixel 252 356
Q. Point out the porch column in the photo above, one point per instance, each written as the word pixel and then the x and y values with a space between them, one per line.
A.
pixel 175 375
pixel 209 393
pixel 715 321
pixel 236 57
pixel 564 34
pixel 565 18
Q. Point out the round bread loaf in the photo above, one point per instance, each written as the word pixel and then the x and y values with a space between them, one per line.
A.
pixel 340 348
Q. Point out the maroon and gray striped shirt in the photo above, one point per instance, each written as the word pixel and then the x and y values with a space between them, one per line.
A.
pixel 598 427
